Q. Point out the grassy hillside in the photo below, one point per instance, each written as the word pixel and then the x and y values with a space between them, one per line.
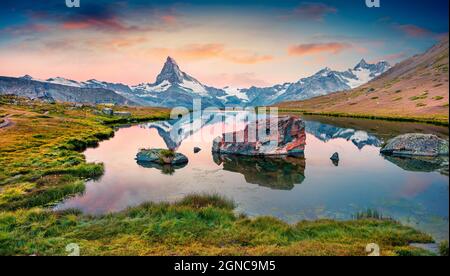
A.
pixel 41 164
pixel 416 89
pixel 40 159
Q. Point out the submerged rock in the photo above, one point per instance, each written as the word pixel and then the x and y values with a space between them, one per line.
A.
pixel 288 138
pixel 416 144
pixel 157 156
pixel 197 150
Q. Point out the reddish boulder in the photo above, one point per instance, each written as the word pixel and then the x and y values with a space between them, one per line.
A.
pixel 277 136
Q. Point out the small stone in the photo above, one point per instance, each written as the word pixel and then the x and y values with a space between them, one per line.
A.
pixel 197 150
pixel 155 156
pixel 335 157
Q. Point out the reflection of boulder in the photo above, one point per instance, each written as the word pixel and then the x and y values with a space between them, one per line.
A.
pixel 164 168
pixel 421 164
pixel 274 136
pixel 279 173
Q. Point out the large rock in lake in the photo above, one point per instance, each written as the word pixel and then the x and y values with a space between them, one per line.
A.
pixel 282 136
pixel 157 156
pixel 416 144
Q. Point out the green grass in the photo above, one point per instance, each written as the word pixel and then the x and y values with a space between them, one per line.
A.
pixel 433 120
pixel 40 157
pixel 196 225
pixel 438 98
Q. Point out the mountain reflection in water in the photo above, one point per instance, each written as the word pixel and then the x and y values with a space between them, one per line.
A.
pixel 279 173
pixel 174 132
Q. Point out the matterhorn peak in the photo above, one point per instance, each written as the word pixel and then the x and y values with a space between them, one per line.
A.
pixel 171 72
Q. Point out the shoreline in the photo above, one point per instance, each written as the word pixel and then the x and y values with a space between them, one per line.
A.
pixel 430 121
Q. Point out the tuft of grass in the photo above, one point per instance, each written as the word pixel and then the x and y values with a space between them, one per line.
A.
pixel 370 214
pixel 438 98
pixel 422 96
pixel 443 248
pixel 167 153
pixel 206 200
pixel 421 104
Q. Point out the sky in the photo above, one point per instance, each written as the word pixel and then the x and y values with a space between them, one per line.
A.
pixel 221 43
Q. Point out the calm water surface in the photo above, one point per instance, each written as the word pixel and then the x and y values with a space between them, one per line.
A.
pixel 291 189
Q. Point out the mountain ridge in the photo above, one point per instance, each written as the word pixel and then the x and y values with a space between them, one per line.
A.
pixel 173 87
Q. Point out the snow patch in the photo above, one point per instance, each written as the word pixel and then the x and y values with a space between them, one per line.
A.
pixel 233 91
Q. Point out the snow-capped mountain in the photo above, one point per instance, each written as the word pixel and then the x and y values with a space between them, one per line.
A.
pixel 323 82
pixel 174 87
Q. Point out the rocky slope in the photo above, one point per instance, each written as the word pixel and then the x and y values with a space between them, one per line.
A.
pixel 27 87
pixel 417 88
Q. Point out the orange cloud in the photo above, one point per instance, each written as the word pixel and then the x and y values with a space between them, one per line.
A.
pixel 316 48
pixel 169 19
pixel 213 50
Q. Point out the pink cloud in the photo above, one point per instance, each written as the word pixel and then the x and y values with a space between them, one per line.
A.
pixel 316 48
pixel 26 29
pixel 414 31
pixel 235 80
